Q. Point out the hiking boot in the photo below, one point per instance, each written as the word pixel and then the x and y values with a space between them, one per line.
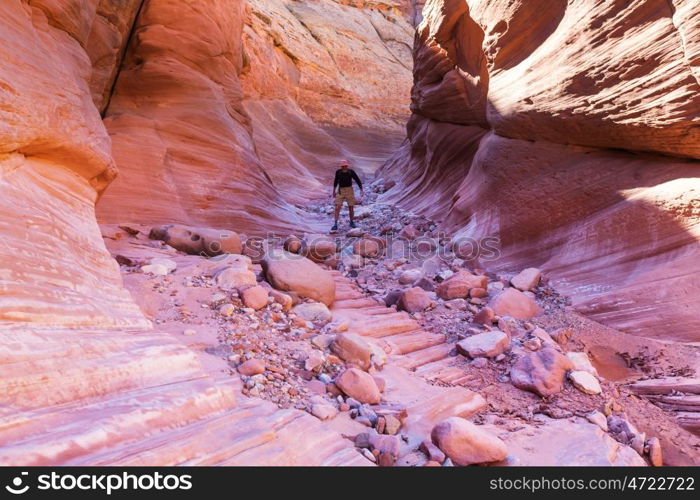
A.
pixel 353 225
pixel 334 228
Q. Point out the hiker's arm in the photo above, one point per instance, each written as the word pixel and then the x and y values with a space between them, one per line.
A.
pixel 335 183
pixel 357 179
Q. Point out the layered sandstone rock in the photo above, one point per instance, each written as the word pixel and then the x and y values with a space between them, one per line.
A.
pixel 571 132
pixel 227 129
pixel 54 161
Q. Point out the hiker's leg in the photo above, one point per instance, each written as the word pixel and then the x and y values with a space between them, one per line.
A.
pixel 338 206
pixel 351 208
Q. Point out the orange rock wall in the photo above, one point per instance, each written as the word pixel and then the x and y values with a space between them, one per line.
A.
pixel 232 128
pixel 54 160
pixel 571 131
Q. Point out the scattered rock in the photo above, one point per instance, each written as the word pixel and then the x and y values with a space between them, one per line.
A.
pixel 227 310
pixel 254 297
pixel 410 276
pixel 324 411
pixel 314 361
pixel 283 299
pixel 359 385
pixel 527 279
pixel 367 248
pixel 655 454
pixel 315 312
pixel 487 345
pixel 598 419
pixel 485 316
pixel 459 285
pixel 514 303
pixel 318 247
pixel 238 273
pixel 585 382
pixel 433 453
pixel 155 269
pixel 190 332
pixel 581 362
pixel 252 367
pixel 353 349
pixel 414 300
pixel 465 443
pixel 292 244
pixel 542 372
pixel 562 335
pixel 288 272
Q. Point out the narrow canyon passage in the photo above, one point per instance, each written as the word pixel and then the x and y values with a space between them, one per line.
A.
pixel 146 145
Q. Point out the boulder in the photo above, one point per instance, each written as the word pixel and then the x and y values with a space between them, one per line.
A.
pixel 367 248
pixel 414 300
pixel 410 276
pixel 359 385
pixel 251 367
pixel 485 316
pixel 283 299
pixel 585 382
pixel 236 274
pixel 353 349
pixel 514 303
pixel 542 372
pixel 466 444
pixel 324 411
pixel 527 279
pixel 318 247
pixel 198 240
pixel 254 297
pixel 484 345
pixel 459 285
pixel 292 273
pixel 316 312
pixel 292 244
pixel 581 362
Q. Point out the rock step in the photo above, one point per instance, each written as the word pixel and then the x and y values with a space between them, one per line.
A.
pixel 346 294
pixel 422 357
pixel 356 303
pixel 444 370
pixel 666 386
pixel 676 403
pixel 385 326
pixel 406 343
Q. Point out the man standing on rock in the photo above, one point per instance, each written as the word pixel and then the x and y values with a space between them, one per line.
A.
pixel 345 193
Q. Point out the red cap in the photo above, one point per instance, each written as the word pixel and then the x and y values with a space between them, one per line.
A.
pixel 344 163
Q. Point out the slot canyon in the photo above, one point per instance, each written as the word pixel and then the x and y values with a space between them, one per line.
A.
pixel 170 293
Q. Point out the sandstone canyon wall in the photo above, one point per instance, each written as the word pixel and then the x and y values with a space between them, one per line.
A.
pixel 55 158
pixel 227 114
pixel 571 131
pixel 82 380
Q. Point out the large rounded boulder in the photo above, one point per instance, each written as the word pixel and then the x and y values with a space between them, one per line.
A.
pixel 293 273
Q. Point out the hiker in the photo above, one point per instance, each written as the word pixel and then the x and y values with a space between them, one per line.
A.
pixel 345 193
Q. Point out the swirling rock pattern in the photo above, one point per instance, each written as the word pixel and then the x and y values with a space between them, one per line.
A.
pixel 572 133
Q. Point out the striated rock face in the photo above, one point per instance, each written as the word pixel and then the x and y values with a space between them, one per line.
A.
pixel 54 161
pixel 227 129
pixel 571 131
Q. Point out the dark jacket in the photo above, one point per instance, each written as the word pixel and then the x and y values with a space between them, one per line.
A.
pixel 344 179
